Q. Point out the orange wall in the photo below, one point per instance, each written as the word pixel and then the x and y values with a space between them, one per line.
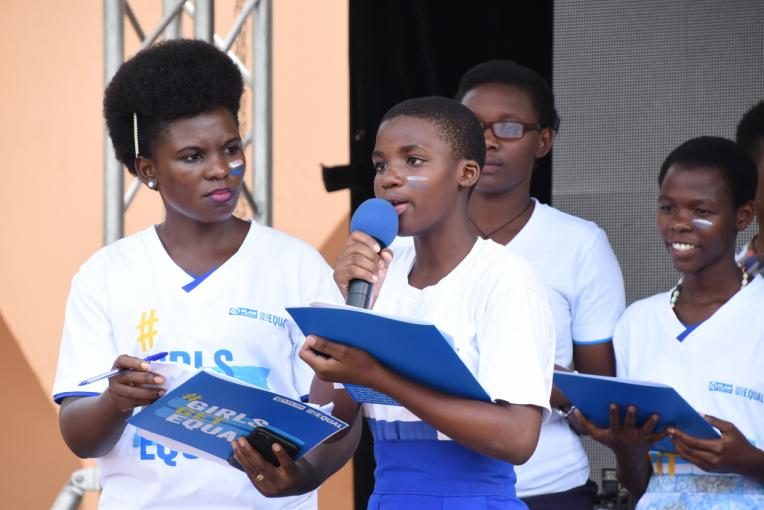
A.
pixel 51 141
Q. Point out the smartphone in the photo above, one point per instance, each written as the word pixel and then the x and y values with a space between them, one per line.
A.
pixel 262 439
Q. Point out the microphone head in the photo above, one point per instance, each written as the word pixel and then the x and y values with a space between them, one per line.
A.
pixel 377 218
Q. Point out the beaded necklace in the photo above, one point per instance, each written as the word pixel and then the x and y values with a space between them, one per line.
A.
pixel 678 289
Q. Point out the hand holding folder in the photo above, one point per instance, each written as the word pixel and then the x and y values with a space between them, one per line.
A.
pixel 414 349
pixel 204 411
pixel 593 396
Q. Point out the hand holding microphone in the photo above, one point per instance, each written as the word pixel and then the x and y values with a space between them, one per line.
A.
pixel 361 267
pixel 359 272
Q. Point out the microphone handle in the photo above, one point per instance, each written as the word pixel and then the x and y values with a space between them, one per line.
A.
pixel 359 293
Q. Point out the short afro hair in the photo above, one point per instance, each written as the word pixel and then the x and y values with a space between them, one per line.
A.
pixel 750 131
pixel 735 166
pixel 174 79
pixel 511 73
pixel 456 124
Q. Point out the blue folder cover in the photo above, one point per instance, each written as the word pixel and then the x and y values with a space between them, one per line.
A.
pixel 593 394
pixel 205 413
pixel 413 349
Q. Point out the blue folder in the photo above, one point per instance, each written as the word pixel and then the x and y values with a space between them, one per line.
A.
pixel 202 415
pixel 593 394
pixel 415 350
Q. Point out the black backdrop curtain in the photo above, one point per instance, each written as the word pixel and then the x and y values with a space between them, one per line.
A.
pixel 401 49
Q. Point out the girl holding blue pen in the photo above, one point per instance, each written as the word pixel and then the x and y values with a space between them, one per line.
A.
pixel 116 371
pixel 203 285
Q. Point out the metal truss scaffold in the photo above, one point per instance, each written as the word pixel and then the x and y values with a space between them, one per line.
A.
pixel 258 140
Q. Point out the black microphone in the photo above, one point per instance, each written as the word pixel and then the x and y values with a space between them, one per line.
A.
pixel 377 218
pixel 753 265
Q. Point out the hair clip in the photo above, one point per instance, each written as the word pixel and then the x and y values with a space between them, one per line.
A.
pixel 135 133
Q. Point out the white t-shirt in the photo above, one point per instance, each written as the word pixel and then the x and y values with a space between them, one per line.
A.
pixel 494 309
pixel 585 289
pixel 716 367
pixel 129 298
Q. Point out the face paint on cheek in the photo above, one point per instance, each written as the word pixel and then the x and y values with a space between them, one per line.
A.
pixel 702 223
pixel 236 167
pixel 416 182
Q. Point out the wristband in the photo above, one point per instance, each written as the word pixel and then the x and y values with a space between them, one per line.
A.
pixel 565 411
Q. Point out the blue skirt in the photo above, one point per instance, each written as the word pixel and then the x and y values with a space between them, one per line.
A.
pixel 440 475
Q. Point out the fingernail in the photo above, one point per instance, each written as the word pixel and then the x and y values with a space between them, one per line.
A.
pixel 377 248
pixel 144 366
pixel 310 340
pixel 381 264
pixel 158 379
pixel 374 278
pixel 160 392
pixel 241 442
pixel 276 447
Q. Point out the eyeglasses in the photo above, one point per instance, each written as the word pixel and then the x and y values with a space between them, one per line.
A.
pixel 510 129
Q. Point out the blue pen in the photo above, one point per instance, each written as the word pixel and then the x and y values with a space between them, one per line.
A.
pixel 115 371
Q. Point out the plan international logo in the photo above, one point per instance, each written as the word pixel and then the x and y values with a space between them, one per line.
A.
pixel 246 312
pixel 279 322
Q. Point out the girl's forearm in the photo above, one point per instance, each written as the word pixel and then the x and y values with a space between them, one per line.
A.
pixel 506 432
pixel 91 426
pixel 633 471
pixel 753 466
pixel 328 458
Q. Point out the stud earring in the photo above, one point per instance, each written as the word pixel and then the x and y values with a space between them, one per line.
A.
pixel 151 184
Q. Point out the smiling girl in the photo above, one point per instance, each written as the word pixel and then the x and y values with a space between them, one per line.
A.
pixel 704 337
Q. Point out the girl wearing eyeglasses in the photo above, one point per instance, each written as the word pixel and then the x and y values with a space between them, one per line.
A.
pixel 572 255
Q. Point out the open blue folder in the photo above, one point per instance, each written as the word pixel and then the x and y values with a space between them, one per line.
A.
pixel 413 349
pixel 593 394
pixel 203 411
